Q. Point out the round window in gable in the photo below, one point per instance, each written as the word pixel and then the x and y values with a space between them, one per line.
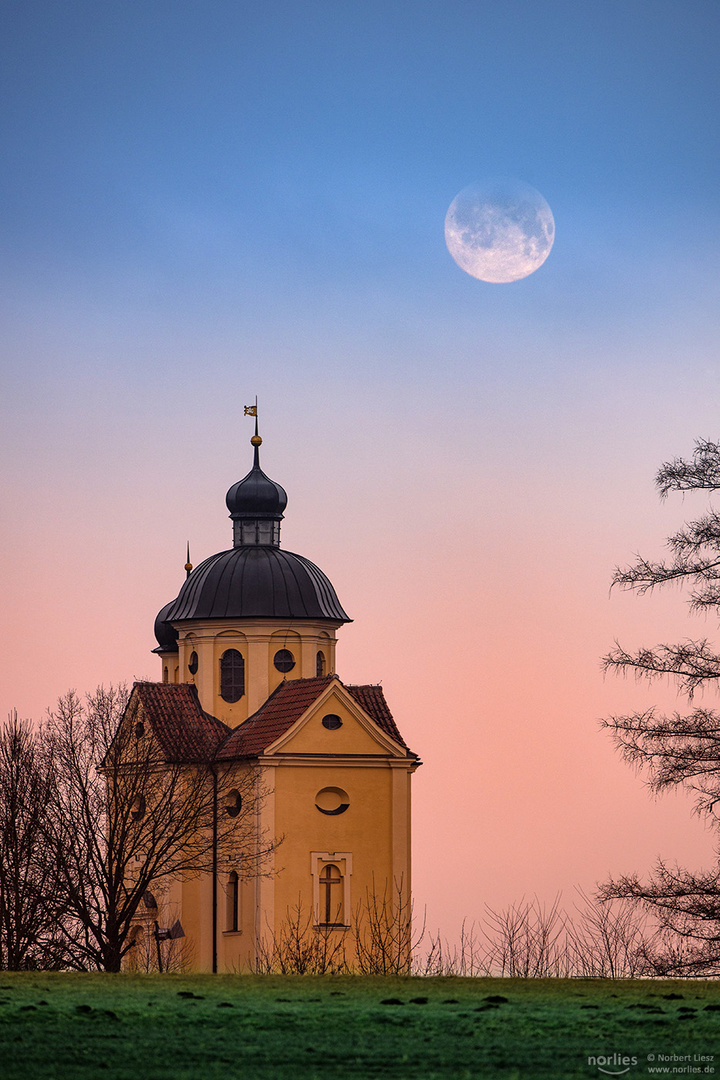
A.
pixel 332 800
pixel 233 803
pixel 193 665
pixel 331 721
pixel 284 660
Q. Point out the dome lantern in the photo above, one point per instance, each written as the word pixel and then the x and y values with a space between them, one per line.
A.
pixel 256 505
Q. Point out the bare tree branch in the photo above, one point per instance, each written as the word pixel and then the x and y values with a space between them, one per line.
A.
pixel 678 750
pixel 702 472
pixel 123 818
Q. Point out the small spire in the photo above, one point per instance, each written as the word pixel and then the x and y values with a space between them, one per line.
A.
pixel 188 564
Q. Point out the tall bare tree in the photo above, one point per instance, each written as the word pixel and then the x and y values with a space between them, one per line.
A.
pixel 129 815
pixel 681 749
pixel 28 869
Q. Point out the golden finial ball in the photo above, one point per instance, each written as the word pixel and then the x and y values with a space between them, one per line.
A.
pixel 256 440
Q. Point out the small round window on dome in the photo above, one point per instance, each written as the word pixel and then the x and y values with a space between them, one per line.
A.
pixel 193 665
pixel 331 721
pixel 284 660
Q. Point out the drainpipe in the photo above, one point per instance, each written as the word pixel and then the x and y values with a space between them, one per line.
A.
pixel 214 869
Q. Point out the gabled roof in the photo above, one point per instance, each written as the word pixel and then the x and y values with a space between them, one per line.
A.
pixel 185 732
pixel 287 704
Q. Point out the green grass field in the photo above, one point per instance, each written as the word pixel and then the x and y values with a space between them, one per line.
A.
pixel 270 1028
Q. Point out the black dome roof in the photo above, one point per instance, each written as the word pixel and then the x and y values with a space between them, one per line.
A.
pixel 255 582
pixel 165 633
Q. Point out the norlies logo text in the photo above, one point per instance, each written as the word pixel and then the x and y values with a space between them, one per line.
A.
pixel 603 1060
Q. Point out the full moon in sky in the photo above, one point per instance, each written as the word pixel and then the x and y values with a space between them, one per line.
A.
pixel 499 230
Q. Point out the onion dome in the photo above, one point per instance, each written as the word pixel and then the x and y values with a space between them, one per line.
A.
pixel 255 578
pixel 256 504
pixel 165 632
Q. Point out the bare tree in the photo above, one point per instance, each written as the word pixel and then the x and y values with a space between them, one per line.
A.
pixel 28 871
pixel 127 814
pixel 468 958
pixel 299 947
pixel 385 932
pixel 682 749
pixel 526 940
pixel 609 939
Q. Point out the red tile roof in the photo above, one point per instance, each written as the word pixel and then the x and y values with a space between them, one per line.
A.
pixel 183 729
pixel 371 698
pixel 287 704
pixel 187 733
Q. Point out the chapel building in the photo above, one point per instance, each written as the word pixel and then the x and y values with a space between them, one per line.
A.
pixel 248 659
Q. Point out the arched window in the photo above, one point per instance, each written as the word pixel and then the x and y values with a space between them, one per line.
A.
pixel 233 803
pixel 233 902
pixel 137 956
pixel 232 675
pixel 165 674
pixel 331 896
pixel 320 664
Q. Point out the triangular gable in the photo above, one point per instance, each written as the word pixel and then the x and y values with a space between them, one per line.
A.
pixel 288 701
pixel 357 734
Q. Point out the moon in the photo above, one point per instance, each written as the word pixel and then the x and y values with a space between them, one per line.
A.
pixel 499 230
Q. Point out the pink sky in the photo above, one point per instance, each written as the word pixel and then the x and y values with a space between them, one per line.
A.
pixel 477 581
pixel 201 203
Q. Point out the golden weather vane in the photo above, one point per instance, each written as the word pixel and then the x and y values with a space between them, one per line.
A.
pixel 251 410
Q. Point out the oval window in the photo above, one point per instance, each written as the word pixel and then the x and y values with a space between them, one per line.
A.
pixel 284 660
pixel 332 800
pixel 193 665
pixel 331 721
pixel 137 810
pixel 233 803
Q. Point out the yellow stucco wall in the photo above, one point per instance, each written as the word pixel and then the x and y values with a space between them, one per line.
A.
pixel 257 640
pixel 369 841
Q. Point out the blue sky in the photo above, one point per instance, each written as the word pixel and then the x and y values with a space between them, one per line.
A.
pixel 204 201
